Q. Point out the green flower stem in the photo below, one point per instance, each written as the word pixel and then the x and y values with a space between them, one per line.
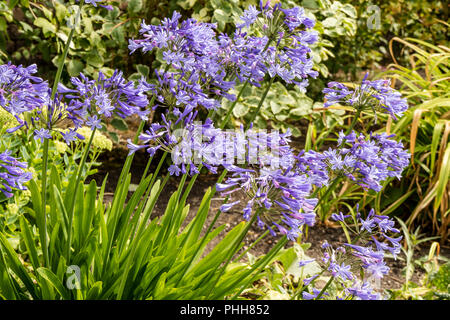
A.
pixel 93 160
pixel 355 119
pixel 252 245
pixel 75 191
pixel 324 288
pixel 66 50
pixel 328 191
pixel 158 168
pixel 253 116
pixel 230 110
pixel 43 233
pixel 126 167
pixel 147 167
pixel 347 235
pixel 63 58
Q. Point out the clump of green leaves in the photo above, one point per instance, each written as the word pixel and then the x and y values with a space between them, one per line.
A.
pixel 435 282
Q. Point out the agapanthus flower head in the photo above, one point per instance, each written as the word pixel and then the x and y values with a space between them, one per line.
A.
pixel 375 233
pixel 12 174
pixel 29 100
pixel 358 263
pixel 365 160
pixel 190 144
pixel 362 291
pixel 282 50
pixel 47 120
pixel 276 194
pixel 375 95
pixel 183 43
pixel 199 56
pixel 21 91
pixel 105 97
pixel 181 95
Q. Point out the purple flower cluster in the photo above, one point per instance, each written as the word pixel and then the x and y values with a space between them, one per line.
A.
pixel 20 91
pixel 367 161
pixel 190 144
pixel 375 230
pixel 283 50
pixel 107 96
pixel 202 67
pixel 180 95
pixel 373 236
pixel 275 192
pixel 28 98
pixel 376 94
pixel 193 49
pixel 12 174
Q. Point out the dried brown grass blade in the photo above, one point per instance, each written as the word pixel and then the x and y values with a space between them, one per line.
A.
pixel 414 128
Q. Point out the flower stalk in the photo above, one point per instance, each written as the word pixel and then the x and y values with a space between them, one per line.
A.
pixel 78 180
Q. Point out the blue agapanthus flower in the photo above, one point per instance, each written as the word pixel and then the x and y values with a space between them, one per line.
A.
pixel 365 160
pixel 194 50
pixel 375 241
pixel 21 91
pixel 28 98
pixel 355 265
pixel 90 100
pixel 282 50
pixel 190 144
pixel 12 174
pixel 362 291
pixel 249 17
pixel 278 195
pixel 376 94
